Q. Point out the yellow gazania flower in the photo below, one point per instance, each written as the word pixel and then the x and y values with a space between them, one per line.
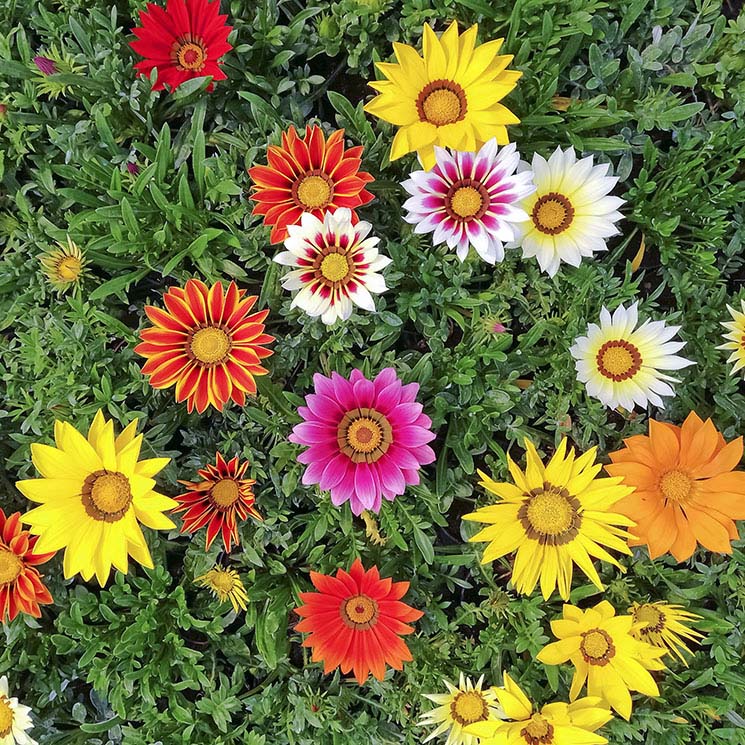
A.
pixel 555 724
pixel 553 517
pixel 664 626
pixel 604 652
pixel 225 585
pixel 449 98
pixel 94 493
pixel 63 266
pixel 736 337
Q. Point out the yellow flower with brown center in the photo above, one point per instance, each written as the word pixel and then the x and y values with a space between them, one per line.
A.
pixel 63 266
pixel 225 584
pixel 665 626
pixel 449 97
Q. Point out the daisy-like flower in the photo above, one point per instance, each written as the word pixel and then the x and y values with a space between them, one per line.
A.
pixel 570 211
pixel 225 584
pixel 366 439
pixel 336 265
pixel 450 97
pixel 553 517
pixel 604 653
pixel 665 626
pixel 460 706
pixel 555 724
pixel 185 40
pixel 221 498
pixel 63 266
pixel 735 339
pixel 687 490
pixel 620 364
pixel 93 495
pixel 356 621
pixel 206 344
pixel 312 175
pixel 21 587
pixel 15 721
pixel 470 199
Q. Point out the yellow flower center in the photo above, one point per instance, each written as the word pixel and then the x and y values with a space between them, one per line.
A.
pixel 468 707
pixel 222 582
pixel 313 191
pixel 550 515
pixel 441 102
pixel 552 213
pixel 6 717
pixel 210 345
pixel 466 201
pixel 539 731
pixel 676 486
pixel 190 55
pixel 618 360
pixel 364 435
pixel 597 647
pixel 225 493
pixel 68 269
pixel 359 612
pixel 335 267
pixel 650 615
pixel 106 495
pixel 10 566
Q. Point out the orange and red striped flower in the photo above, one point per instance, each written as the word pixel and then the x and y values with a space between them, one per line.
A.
pixel 219 500
pixel 21 588
pixel 356 621
pixel 206 344
pixel 308 175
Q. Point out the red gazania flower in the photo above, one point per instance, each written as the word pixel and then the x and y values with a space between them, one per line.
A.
pixel 356 621
pixel 219 500
pixel 205 344
pixel 184 41
pixel 308 175
pixel 21 588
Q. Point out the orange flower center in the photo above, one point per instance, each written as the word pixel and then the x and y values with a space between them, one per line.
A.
pixel 210 345
pixel 539 731
pixel 360 612
pixel 468 707
pixel 68 268
pixel 442 102
pixel 550 515
pixel 650 615
pixel 335 267
pixel 225 493
pixel 618 360
pixel 314 190
pixel 552 213
pixel 676 486
pixel 364 435
pixel 106 495
pixel 190 54
pixel 11 566
pixel 597 647
pixel 6 717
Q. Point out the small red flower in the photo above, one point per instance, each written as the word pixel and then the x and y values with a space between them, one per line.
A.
pixel 184 41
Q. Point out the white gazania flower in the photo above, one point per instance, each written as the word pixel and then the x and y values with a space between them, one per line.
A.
pixel 470 199
pixel 14 719
pixel 620 364
pixel 736 337
pixel 459 707
pixel 336 265
pixel 570 211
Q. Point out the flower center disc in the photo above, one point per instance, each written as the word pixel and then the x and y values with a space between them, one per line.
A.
pixel 68 269
pixel 552 213
pixel 210 345
pixel 6 717
pixel 467 200
pixel 190 56
pixel 222 582
pixel 359 612
pixel 224 494
pixel 313 191
pixel 364 435
pixel 441 102
pixel 539 731
pixel 10 566
pixel 469 707
pixel 597 647
pixel 654 618
pixel 335 267
pixel 550 515
pixel 676 486
pixel 106 495
pixel 618 360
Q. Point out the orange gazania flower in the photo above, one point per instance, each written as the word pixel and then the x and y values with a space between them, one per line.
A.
pixel 21 588
pixel 356 621
pixel 219 500
pixel 206 344
pixel 687 490
pixel 308 175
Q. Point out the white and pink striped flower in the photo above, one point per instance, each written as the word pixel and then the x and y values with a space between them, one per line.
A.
pixel 470 199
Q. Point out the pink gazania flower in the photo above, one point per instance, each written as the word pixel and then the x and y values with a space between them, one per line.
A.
pixel 46 66
pixel 366 439
pixel 470 199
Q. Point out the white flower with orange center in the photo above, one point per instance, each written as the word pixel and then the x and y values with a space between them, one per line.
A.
pixel 735 339
pixel 620 364
pixel 571 214
pixel 14 719
pixel 336 265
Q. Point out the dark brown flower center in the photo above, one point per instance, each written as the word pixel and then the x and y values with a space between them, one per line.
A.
pixel 539 731
pixel 552 213
pixel 550 515
pixel 466 200
pixel 106 495
pixel 364 435
pixel 597 647
pixel 442 102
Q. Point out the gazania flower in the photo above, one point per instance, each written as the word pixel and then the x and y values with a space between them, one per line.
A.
pixel 218 500
pixel 21 587
pixel 686 488
pixel 620 364
pixel 225 584
pixel 450 97
pixel 336 265
pixel 356 621
pixel 458 708
pixel 552 517
pixel 94 493
pixel 183 41
pixel 735 339
pixel 469 199
pixel 366 439
pixel 63 266
pixel 15 721
pixel 555 724
pixel 206 344
pixel 308 175
pixel 604 653
pixel 665 626
pixel 570 211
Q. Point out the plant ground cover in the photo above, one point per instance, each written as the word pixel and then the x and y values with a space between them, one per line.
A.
pixel 654 87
